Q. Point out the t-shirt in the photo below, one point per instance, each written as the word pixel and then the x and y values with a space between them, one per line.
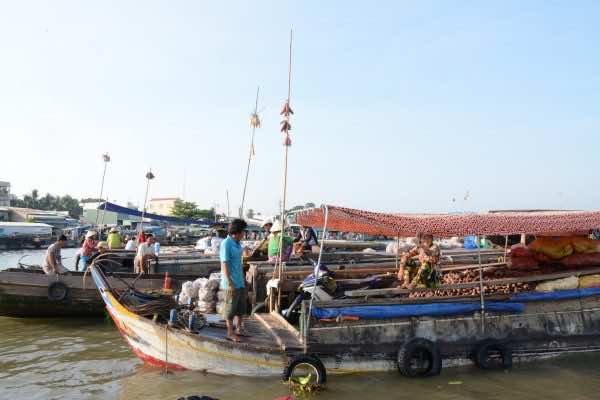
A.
pixel 144 249
pixel 88 247
pixel 231 253
pixel 53 251
pixel 130 245
pixel 274 244
pixel 114 240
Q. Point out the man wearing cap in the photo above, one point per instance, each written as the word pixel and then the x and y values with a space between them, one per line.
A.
pixel 114 240
pixel 88 247
pixel 53 261
pixel 232 279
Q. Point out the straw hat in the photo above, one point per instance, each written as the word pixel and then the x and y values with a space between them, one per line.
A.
pixel 268 221
pixel 89 234
pixel 276 227
pixel 102 245
pixel 113 230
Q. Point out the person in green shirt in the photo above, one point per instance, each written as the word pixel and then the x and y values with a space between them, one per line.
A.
pixel 114 239
pixel 274 241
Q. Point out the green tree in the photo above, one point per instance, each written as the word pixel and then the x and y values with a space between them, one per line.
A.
pixel 49 203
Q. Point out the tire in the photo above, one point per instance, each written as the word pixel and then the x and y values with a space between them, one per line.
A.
pixel 57 291
pixel 262 306
pixel 419 358
pixel 492 354
pixel 299 365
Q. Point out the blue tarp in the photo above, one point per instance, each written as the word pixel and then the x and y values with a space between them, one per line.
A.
pixel 415 310
pixel 556 295
pixel 130 211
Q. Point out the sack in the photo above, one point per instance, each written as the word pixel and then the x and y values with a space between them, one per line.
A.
pixel 581 260
pixel 206 295
pixel 189 289
pixel 589 281
pixel 200 283
pixel 558 284
pixel 520 250
pixel 206 307
pixel 584 245
pixel 556 249
pixel 523 263
pixel 212 285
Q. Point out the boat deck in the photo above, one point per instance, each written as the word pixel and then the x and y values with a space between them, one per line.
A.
pixel 266 331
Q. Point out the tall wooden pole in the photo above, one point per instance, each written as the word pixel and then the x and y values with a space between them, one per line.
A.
pixel 255 123
pixel 286 112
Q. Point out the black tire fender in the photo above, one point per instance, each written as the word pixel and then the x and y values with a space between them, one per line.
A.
pixel 422 347
pixel 481 354
pixel 57 291
pixel 304 359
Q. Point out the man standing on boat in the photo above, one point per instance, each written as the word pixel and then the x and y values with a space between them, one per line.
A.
pixel 53 261
pixel 232 279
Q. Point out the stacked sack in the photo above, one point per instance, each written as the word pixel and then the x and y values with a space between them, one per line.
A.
pixel 568 251
pixel 203 292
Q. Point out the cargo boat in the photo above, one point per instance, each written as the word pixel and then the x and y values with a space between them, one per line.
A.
pixel 364 333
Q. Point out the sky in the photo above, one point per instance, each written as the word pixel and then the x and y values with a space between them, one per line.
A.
pixel 399 105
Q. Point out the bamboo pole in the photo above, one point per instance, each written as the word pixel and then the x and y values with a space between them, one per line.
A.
pixel 250 153
pixel 286 142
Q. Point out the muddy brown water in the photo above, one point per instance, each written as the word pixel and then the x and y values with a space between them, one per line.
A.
pixel 87 359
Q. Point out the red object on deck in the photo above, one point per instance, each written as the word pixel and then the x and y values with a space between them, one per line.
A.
pixel 167 282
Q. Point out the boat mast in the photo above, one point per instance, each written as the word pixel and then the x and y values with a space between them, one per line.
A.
pixel 254 123
pixel 287 142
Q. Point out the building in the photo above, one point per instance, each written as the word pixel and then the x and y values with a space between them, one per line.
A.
pixel 90 211
pixel 161 205
pixel 4 194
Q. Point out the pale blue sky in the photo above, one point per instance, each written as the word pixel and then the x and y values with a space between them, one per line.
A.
pixel 399 105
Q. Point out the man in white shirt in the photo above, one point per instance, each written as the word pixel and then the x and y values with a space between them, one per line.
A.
pixel 145 252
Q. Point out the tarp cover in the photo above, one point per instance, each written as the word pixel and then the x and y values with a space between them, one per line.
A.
pixel 556 295
pixel 131 211
pixel 414 310
pixel 445 225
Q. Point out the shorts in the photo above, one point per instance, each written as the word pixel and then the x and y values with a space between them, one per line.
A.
pixel 235 303
pixel 48 270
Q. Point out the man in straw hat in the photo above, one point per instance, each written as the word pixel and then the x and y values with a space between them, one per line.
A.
pixel 114 240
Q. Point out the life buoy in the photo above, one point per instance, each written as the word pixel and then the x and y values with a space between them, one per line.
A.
pixel 305 365
pixel 492 354
pixel 419 358
pixel 57 291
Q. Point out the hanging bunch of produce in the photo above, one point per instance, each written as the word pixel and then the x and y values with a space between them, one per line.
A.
pixel 286 127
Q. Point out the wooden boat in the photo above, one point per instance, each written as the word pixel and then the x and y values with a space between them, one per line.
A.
pixel 366 333
pixel 31 293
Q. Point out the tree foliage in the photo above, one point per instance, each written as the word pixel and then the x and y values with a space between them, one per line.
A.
pixel 188 209
pixel 49 203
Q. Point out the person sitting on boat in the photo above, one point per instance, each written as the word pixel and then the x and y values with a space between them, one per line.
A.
pixel 232 279
pixel 88 247
pixel 215 242
pixel 145 253
pixel 114 240
pixel 101 248
pixel 53 261
pixel 275 239
pixel 420 266
pixel 130 243
pixel 307 238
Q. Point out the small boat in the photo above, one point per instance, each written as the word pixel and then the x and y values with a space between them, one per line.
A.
pixel 364 332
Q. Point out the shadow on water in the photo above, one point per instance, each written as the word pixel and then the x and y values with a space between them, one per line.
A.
pixel 87 359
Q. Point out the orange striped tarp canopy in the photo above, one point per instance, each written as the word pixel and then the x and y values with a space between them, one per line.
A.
pixel 445 225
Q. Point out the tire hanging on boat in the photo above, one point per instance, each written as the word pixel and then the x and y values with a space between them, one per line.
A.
pixel 310 363
pixel 488 350
pixel 419 358
pixel 57 291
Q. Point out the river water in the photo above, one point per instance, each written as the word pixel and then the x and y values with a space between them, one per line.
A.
pixel 87 359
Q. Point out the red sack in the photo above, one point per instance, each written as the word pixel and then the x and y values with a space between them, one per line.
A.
pixel 524 263
pixel 520 250
pixel 581 260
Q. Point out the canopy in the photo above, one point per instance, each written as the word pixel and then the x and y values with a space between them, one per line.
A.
pixel 446 225
pixel 131 211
